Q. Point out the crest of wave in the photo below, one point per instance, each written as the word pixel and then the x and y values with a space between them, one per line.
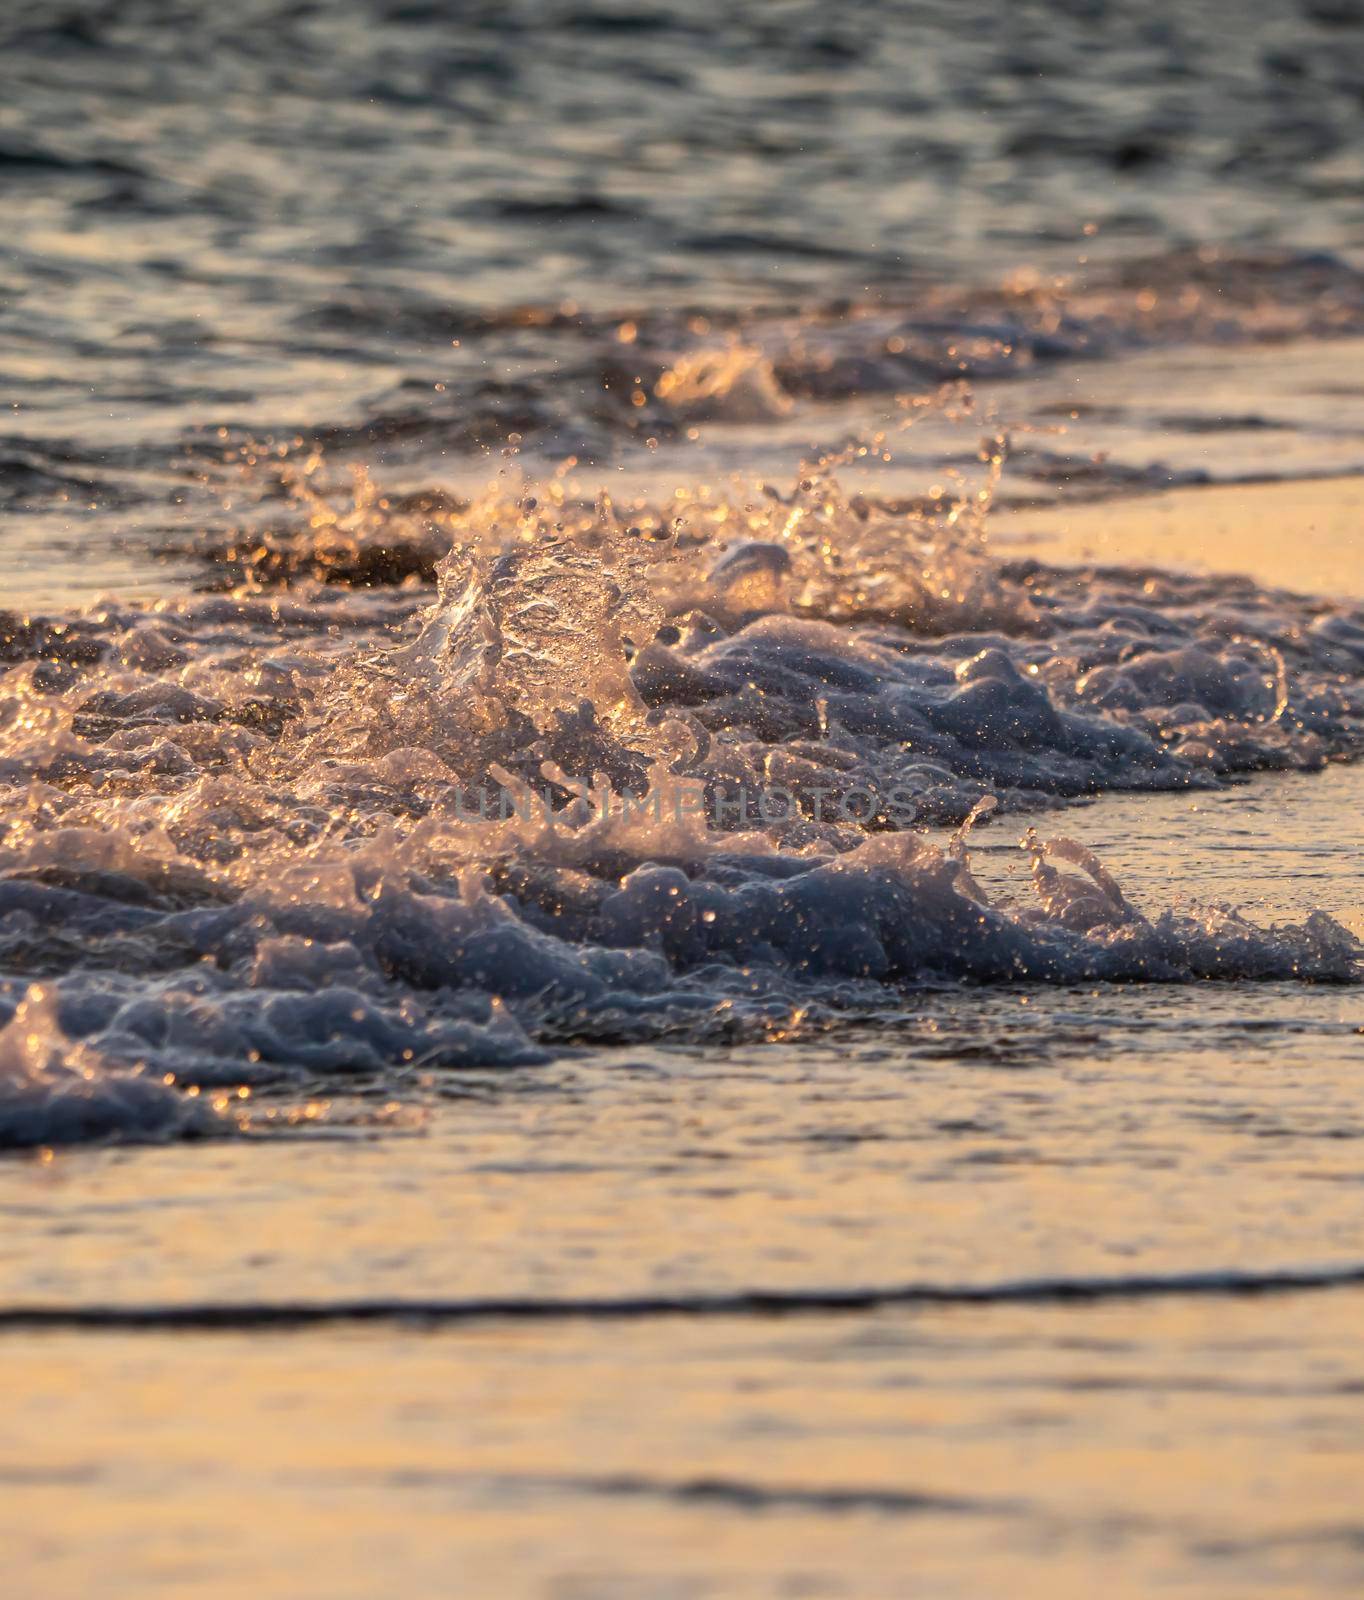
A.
pixel 544 603
pixel 522 659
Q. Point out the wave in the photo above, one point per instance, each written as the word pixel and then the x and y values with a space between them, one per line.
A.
pixel 283 1316
pixel 564 379
pixel 632 773
pixel 733 1493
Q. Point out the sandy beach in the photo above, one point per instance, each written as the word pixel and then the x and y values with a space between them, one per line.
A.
pixel 1303 535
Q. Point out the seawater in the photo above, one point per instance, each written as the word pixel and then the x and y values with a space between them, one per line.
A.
pixel 239 846
pixel 870 1098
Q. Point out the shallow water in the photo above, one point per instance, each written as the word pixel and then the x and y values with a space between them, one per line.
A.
pixel 944 1183
pixel 539 1405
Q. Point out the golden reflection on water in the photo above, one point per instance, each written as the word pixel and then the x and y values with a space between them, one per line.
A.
pixel 1190 1448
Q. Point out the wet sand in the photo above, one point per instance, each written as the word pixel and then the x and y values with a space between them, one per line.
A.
pixel 1307 536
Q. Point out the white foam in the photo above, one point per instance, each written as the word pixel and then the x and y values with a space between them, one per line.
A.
pixel 236 837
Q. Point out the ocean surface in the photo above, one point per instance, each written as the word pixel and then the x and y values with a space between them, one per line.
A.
pixel 624 970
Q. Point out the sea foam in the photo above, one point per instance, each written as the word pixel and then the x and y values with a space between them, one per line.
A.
pixel 236 844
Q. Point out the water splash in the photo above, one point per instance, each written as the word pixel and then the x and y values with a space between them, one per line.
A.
pixel 236 837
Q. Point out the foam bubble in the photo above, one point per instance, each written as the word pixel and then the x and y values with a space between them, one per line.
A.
pixel 236 838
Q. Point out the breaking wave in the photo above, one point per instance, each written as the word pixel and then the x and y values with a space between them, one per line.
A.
pixel 238 847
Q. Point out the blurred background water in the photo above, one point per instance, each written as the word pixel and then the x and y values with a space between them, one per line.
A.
pixel 369 225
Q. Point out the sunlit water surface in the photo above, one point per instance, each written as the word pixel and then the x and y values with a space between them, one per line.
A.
pixel 401 401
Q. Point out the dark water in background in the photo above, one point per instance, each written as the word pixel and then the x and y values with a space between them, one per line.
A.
pixel 301 220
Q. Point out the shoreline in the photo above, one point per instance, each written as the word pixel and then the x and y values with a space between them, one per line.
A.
pixel 1304 535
